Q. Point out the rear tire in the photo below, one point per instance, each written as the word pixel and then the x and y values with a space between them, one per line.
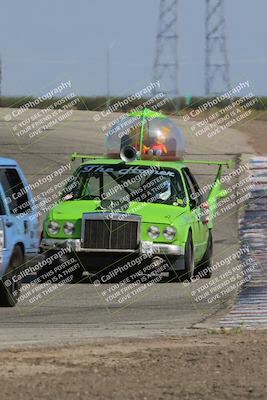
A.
pixel 10 290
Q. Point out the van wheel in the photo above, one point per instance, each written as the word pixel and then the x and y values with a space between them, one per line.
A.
pixel 206 262
pixel 9 290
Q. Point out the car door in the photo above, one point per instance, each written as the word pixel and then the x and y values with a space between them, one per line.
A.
pixel 200 229
pixel 22 220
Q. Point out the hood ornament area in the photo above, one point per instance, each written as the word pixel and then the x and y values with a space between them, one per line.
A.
pixel 114 205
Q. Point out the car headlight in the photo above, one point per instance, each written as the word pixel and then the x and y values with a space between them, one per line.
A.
pixel 153 232
pixel 53 227
pixel 69 228
pixel 169 233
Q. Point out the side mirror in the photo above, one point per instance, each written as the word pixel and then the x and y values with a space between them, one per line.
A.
pixel 180 202
pixel 223 193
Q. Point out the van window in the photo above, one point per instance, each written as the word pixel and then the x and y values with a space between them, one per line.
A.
pixel 16 195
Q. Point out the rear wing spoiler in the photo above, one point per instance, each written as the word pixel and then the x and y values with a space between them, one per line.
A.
pixel 228 163
pixel 83 157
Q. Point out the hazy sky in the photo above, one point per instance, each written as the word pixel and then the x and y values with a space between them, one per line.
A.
pixel 42 41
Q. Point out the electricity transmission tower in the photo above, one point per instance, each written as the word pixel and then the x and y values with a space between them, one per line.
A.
pixel 217 65
pixel 165 69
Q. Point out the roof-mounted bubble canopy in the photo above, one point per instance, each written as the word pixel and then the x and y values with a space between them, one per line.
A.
pixel 145 135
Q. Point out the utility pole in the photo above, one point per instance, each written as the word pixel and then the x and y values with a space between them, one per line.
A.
pixel 217 79
pixel 165 69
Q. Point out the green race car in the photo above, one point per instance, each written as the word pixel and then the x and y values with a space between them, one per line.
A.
pixel 139 201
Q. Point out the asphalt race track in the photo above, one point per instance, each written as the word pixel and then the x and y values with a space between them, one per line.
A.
pixel 76 313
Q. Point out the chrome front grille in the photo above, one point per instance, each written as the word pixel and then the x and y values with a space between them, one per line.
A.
pixel 107 231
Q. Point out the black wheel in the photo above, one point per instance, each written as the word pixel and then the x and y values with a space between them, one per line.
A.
pixel 204 267
pixel 9 288
pixel 189 258
pixel 189 264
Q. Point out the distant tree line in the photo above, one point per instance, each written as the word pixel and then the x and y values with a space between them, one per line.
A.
pixel 100 103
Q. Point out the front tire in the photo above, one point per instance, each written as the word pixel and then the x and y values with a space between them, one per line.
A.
pixel 10 290
pixel 50 273
pixel 189 264
pixel 204 267
pixel 189 258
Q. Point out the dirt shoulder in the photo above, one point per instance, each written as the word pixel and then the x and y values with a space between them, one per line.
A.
pixel 222 366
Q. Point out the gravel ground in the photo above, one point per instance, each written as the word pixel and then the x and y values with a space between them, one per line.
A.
pixel 226 365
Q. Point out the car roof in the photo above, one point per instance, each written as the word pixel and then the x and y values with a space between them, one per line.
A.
pixel 7 161
pixel 162 164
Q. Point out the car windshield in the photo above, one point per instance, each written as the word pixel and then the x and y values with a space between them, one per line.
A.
pixel 122 183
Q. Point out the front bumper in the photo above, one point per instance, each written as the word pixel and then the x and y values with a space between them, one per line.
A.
pixel 146 247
